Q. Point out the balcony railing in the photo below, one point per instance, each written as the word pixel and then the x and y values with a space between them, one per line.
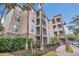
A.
pixel 44 23
pixel 58 20
pixel 37 32
pixel 38 21
pixel 45 33
pixel 38 14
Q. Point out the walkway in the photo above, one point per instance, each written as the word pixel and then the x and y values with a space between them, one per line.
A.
pixel 61 51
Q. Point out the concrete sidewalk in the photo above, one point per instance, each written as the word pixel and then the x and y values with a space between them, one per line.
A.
pixel 61 51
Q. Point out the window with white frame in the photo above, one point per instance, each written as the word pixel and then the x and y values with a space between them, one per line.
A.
pixel 33 17
pixel 18 18
pixel 15 28
pixel 32 28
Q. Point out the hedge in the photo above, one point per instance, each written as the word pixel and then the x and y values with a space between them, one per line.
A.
pixel 12 44
pixel 4 44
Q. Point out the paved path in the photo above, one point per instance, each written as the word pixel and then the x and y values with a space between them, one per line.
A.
pixel 61 51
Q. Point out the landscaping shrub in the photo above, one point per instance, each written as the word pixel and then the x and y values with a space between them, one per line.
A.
pixel 30 40
pixel 12 44
pixel 4 44
pixel 18 43
pixel 28 53
pixel 68 49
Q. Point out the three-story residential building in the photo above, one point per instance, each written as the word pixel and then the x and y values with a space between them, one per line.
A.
pixel 39 27
pixel 58 28
pixel 16 23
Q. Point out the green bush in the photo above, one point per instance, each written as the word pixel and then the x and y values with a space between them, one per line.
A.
pixel 18 43
pixel 11 44
pixel 30 40
pixel 4 44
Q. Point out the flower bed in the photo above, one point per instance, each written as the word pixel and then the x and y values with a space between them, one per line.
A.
pixel 69 49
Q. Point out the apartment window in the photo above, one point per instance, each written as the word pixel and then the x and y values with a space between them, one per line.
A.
pixel 58 19
pixel 59 26
pixel 45 40
pixel 38 14
pixel 53 21
pixel 38 30
pixel 44 17
pixel 54 26
pixel 55 33
pixel 33 19
pixel 44 31
pixel 44 23
pixel 32 28
pixel 38 21
pixel 60 33
pixel 15 28
pixel 18 18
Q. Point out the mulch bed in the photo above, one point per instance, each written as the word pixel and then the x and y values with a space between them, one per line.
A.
pixel 51 48
pixel 18 53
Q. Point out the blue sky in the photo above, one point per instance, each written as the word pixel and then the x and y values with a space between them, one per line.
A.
pixel 1 8
pixel 67 10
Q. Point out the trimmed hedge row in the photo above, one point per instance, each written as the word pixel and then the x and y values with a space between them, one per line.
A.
pixel 12 44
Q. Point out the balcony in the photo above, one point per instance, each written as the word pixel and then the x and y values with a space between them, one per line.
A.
pixel 38 14
pixel 58 20
pixel 44 31
pixel 44 23
pixel 53 21
pixel 59 26
pixel 38 21
pixel 55 33
pixel 45 40
pixel 61 34
pixel 44 18
pixel 38 30
pixel 54 27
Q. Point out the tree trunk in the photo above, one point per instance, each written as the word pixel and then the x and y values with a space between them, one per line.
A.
pixel 27 28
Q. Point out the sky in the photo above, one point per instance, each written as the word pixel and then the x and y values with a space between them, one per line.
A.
pixel 67 10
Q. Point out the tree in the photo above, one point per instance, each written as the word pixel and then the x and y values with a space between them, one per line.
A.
pixel 75 26
pixel 8 6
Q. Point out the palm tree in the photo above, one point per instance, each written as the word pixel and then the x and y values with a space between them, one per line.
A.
pixel 8 6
